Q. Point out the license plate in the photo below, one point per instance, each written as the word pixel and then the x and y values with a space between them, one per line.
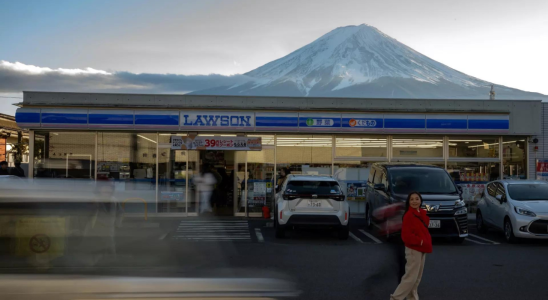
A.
pixel 434 224
pixel 312 203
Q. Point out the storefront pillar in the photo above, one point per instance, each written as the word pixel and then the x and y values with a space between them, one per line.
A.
pixel 31 154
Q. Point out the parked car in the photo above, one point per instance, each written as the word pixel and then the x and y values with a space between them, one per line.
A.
pixel 306 200
pixel 519 208
pixel 390 183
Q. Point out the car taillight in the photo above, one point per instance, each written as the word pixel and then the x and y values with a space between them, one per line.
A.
pixel 281 213
pixel 338 198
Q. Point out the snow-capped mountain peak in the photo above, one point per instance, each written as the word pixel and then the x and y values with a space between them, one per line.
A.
pixel 354 55
pixel 361 61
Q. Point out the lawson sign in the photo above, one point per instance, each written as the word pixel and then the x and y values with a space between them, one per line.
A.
pixel 217 120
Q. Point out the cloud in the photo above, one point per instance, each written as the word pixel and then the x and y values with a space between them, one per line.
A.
pixel 237 64
pixel 17 77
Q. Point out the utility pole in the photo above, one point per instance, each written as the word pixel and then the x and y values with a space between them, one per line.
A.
pixel 492 93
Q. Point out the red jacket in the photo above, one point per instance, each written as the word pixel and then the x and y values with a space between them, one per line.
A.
pixel 415 229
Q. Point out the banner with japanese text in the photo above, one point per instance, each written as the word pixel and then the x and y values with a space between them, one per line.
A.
pixel 237 143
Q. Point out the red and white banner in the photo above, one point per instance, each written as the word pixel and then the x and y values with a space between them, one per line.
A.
pixel 238 143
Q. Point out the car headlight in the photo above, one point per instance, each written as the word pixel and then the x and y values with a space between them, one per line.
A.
pixel 459 203
pixel 524 212
pixel 461 211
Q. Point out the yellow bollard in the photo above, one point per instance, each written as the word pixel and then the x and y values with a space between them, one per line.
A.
pixel 124 203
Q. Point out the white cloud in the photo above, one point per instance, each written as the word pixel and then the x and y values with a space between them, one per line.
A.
pixel 237 64
pixel 35 70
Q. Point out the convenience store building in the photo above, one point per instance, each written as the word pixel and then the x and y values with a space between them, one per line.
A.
pixel 152 145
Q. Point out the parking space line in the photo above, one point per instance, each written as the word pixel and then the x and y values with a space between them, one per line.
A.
pixel 376 240
pixel 483 239
pixel 259 235
pixel 357 239
pixel 476 242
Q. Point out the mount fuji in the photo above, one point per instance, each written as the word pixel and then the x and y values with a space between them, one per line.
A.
pixel 361 61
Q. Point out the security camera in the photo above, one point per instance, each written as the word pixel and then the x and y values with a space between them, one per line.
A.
pixel 534 141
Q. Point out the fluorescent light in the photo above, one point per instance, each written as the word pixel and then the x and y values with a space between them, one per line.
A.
pixel 144 137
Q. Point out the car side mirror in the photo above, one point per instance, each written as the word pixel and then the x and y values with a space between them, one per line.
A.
pixel 379 187
pixel 501 198
pixel 460 189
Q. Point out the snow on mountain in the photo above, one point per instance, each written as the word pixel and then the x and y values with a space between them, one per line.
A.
pixel 361 61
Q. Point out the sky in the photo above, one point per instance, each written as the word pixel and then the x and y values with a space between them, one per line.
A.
pixel 504 43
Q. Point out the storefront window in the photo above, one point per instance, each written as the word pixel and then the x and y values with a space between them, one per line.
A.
pixel 415 147
pixel 64 155
pixel 352 176
pixel 472 177
pixel 172 177
pixel 305 154
pixel 474 147
pixel 362 146
pixel 129 159
pixel 260 164
pixel 514 157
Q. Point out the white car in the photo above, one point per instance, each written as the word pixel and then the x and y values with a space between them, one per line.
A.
pixel 306 200
pixel 517 207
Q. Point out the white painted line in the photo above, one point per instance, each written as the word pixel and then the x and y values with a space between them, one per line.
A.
pixel 476 242
pixel 357 239
pixel 259 234
pixel 163 236
pixel 483 239
pixel 376 240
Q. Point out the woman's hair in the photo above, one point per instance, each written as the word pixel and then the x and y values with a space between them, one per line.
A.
pixel 409 199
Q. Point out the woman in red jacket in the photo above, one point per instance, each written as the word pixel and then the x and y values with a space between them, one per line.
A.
pixel 417 242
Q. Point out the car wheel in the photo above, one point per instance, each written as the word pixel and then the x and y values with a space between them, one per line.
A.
pixel 368 215
pixel 344 232
pixel 480 224
pixel 509 232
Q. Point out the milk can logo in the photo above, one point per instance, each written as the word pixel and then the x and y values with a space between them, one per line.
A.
pixel 362 123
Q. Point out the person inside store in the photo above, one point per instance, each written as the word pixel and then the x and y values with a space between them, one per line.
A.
pixel 4 168
pixel 17 170
pixel 284 172
pixel 418 243
pixel 205 182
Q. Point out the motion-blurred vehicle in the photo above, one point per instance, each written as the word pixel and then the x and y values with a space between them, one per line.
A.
pixel 306 200
pixel 390 183
pixel 59 287
pixel 519 208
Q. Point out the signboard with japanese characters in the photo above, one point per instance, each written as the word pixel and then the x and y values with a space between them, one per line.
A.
pixel 238 143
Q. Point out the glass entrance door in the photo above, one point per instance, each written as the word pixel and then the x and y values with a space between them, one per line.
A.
pixel 220 164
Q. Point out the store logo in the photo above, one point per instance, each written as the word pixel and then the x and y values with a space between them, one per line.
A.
pixel 432 208
pixel 319 122
pixel 217 120
pixel 362 123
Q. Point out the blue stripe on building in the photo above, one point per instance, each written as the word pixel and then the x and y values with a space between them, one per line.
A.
pixel 111 119
pixel 27 117
pixel 446 124
pixel 172 120
pixel 488 124
pixel 64 118
pixel 277 121
pixel 404 123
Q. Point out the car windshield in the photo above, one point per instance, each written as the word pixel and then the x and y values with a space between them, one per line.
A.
pixel 313 187
pixel 422 180
pixel 527 192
